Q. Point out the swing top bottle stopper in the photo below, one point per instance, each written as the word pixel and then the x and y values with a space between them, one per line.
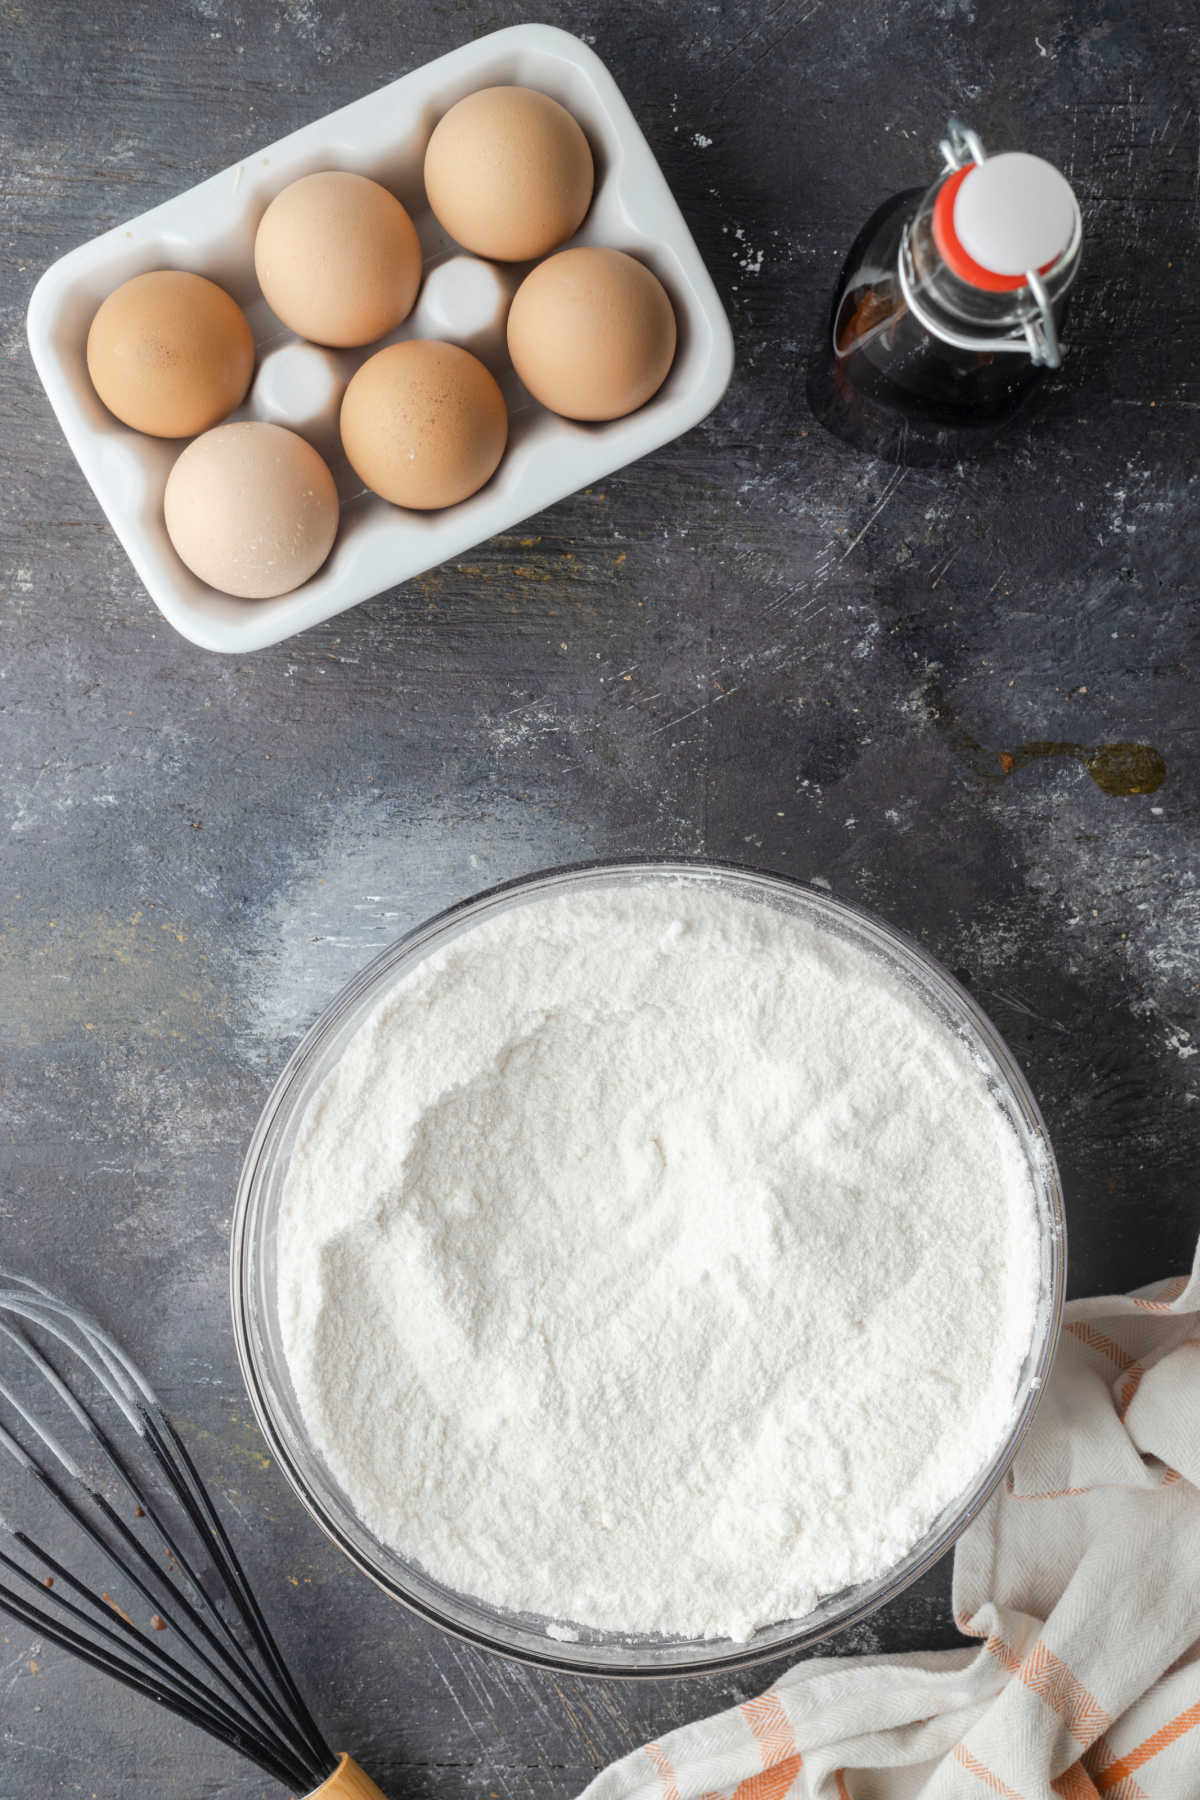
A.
pixel 950 307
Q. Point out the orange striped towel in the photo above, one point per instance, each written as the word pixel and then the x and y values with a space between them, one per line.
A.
pixel 1081 1579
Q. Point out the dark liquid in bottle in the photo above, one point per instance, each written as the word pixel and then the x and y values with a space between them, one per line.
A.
pixel 879 380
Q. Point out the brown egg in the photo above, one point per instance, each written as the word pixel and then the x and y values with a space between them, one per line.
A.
pixel 592 333
pixel 509 173
pixel 424 423
pixel 170 353
pixel 338 259
pixel 252 509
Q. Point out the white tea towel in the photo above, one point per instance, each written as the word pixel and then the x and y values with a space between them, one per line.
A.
pixel 1082 1578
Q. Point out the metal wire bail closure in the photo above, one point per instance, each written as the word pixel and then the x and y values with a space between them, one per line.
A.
pixel 1038 338
pixel 960 146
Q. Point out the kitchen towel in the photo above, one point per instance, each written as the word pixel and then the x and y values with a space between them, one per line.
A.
pixel 1081 1578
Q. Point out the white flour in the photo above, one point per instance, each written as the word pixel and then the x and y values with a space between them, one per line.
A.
pixel 656 1262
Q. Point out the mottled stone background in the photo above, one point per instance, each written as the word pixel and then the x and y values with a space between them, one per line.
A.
pixel 753 644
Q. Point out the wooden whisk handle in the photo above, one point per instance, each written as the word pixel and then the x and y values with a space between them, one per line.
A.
pixel 348 1783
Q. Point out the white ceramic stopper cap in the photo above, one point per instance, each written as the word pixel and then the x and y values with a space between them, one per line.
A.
pixel 1014 212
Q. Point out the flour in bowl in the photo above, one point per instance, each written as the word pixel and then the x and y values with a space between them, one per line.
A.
pixel 657 1261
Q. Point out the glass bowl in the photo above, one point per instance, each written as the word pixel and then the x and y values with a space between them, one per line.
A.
pixel 256 1325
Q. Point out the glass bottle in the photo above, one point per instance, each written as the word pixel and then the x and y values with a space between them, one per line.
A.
pixel 950 307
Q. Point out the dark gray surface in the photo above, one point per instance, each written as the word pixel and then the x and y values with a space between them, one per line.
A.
pixel 753 645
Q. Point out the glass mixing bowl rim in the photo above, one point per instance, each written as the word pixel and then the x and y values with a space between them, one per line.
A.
pixel 728 1656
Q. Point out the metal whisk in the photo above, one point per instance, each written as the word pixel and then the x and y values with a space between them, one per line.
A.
pixel 145 1584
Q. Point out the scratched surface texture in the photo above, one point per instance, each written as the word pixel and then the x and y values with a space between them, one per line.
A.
pixel 755 645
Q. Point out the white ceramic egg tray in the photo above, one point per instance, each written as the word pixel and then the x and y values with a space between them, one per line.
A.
pixel 211 228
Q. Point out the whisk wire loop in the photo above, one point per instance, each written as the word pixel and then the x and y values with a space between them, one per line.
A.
pixel 119 1450
pixel 160 1673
